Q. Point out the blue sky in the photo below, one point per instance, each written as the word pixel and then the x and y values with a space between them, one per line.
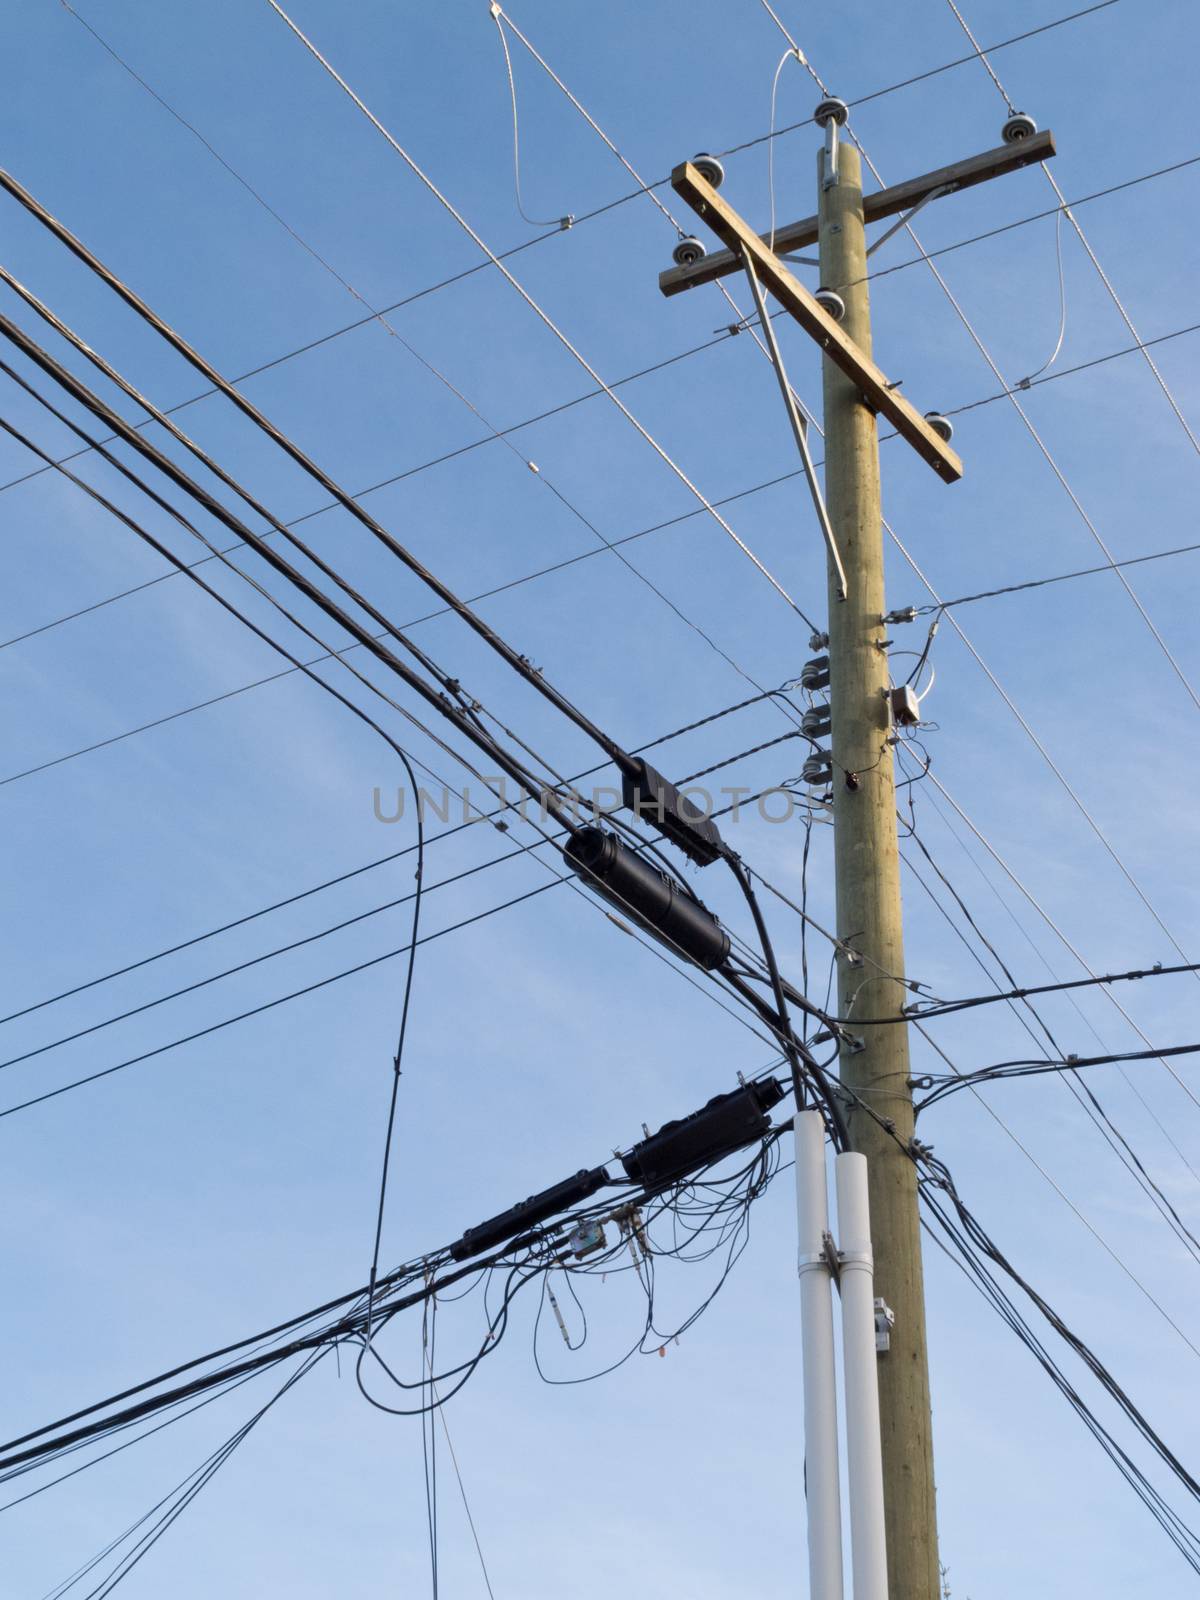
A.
pixel 231 1182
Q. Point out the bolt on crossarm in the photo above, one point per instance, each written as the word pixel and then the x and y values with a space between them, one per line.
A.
pixel 868 897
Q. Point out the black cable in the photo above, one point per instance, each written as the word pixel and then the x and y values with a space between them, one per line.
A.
pixel 487 816
pixel 463 717
pixel 793 1049
pixel 939 1175
pixel 519 663
pixel 1090 1102
pixel 35 1446
pixel 589 394
pixel 269 1005
pixel 943 1008
pixel 585 555
pixel 398 1058
pixel 943 1084
pixel 440 701
pixel 959 1251
pixel 576 221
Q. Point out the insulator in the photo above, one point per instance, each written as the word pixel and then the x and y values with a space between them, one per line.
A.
pixel 709 168
pixel 831 110
pixel 818 768
pixel 941 425
pixel 831 302
pixel 816 722
pixel 1018 127
pixel 814 674
pixel 688 251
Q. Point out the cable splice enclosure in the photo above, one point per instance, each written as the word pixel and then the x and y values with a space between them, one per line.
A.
pixel 647 896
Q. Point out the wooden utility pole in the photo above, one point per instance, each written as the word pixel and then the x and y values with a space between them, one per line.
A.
pixel 867 868
pixel 873 1060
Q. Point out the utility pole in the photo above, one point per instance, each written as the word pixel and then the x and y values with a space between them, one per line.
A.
pixel 867 871
pixel 874 1061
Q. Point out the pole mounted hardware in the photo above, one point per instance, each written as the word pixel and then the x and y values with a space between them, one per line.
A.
pixel 647 896
pixel 1011 156
pixel 798 420
pixel 746 247
pixel 831 115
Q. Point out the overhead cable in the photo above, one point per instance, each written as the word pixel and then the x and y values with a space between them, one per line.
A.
pixel 537 309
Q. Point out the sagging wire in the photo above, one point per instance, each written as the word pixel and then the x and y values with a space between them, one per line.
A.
pixel 534 222
pixel 1026 382
pixel 790 54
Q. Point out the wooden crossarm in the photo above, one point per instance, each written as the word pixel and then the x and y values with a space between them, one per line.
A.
pixel 884 203
pixel 772 273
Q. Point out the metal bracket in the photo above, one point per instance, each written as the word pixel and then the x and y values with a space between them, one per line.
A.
pixel 830 176
pixel 805 261
pixel 885 1321
pixel 903 222
pixel 799 425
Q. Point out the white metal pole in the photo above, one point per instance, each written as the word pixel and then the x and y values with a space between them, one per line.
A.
pixel 864 1451
pixel 822 1484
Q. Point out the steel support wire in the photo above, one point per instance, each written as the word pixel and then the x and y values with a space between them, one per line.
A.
pixel 538 311
pixel 799 425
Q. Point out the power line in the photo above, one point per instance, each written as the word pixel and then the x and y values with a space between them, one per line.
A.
pixel 1037 1067
pixel 296 944
pixel 1051 924
pixel 435 1272
pixel 966 846
pixel 923 1010
pixel 450 689
pixel 542 315
pixel 380 315
pixel 1065 782
pixel 1080 1091
pixel 501 435
pixel 611 544
pixel 328 883
pixel 471 726
pixel 1037 216
pixel 1084 241
pixel 1044 450
pixel 279 1000
pixel 920 77
pixel 966 323
pixel 1082 1094
pixel 464 717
